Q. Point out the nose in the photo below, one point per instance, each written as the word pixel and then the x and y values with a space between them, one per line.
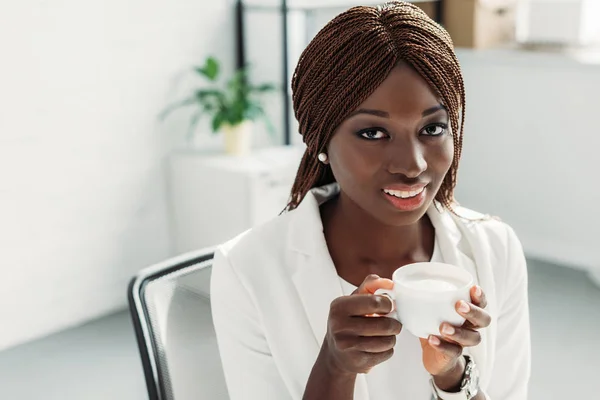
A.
pixel 406 156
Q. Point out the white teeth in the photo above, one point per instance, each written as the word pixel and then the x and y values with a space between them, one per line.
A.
pixel 402 194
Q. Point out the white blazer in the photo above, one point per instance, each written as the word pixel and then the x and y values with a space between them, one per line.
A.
pixel 271 288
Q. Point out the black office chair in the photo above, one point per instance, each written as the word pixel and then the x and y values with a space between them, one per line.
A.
pixel 170 308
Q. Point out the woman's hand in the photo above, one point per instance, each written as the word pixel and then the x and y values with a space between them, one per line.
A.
pixel 355 342
pixel 442 355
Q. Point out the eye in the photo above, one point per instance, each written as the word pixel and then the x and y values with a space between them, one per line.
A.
pixel 372 134
pixel 435 130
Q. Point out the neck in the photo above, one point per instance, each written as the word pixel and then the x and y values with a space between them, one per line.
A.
pixel 356 238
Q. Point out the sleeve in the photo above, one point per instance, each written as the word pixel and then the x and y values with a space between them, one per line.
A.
pixel 512 364
pixel 249 369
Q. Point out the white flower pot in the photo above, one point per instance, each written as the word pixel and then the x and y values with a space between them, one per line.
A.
pixel 238 138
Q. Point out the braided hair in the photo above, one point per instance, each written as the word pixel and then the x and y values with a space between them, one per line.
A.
pixel 348 59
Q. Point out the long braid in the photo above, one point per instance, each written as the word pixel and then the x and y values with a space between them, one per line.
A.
pixel 348 59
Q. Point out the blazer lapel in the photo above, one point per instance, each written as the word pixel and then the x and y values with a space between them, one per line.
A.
pixel 454 247
pixel 313 272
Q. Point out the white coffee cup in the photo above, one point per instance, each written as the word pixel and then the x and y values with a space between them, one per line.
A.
pixel 425 295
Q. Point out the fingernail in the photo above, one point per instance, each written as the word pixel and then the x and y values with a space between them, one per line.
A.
pixel 448 330
pixel 477 291
pixel 434 341
pixel 463 307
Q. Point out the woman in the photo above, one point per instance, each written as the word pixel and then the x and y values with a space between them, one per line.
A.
pixel 380 100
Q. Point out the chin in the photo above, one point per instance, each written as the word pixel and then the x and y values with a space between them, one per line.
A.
pixel 401 218
pixel 406 218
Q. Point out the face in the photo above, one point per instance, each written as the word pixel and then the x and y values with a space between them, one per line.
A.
pixel 390 156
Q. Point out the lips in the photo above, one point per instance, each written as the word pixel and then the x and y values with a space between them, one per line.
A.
pixel 404 194
pixel 406 198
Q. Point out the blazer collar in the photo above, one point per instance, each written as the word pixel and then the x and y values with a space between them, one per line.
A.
pixel 306 232
pixel 313 271
pixel 306 229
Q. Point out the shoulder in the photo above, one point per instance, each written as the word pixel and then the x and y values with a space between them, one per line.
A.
pixel 256 266
pixel 497 233
pixel 258 249
pixel 501 243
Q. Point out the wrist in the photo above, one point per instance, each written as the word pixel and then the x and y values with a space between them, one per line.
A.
pixel 332 367
pixel 451 381
pixel 327 381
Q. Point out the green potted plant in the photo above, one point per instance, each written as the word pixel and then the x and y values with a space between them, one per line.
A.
pixel 232 108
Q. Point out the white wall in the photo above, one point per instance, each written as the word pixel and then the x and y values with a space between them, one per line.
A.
pixel 82 203
pixel 531 150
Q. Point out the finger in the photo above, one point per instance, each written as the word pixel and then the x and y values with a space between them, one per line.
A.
pixel 361 305
pixel 462 336
pixel 369 360
pixel 373 344
pixel 449 351
pixel 373 359
pixel 372 283
pixel 367 326
pixel 476 317
pixel 478 297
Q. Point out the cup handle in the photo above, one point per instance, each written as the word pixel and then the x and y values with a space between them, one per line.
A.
pixel 390 295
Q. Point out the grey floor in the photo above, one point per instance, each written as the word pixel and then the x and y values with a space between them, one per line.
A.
pixel 99 361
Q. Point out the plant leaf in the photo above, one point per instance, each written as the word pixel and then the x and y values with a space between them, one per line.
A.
pixel 269 124
pixel 265 87
pixel 258 112
pixel 211 99
pixel 204 94
pixel 192 127
pixel 218 121
pixel 210 69
pixel 253 111
pixel 167 111
pixel 238 84
pixel 234 103
pixel 240 75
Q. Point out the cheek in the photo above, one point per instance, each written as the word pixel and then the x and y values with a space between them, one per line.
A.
pixel 352 161
pixel 353 164
pixel 444 156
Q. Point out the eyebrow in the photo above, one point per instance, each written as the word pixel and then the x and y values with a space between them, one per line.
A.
pixel 377 113
pixel 384 114
pixel 433 110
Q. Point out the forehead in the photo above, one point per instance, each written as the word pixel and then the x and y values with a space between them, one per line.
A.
pixel 403 91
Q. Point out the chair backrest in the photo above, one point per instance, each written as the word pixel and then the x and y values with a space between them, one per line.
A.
pixel 170 308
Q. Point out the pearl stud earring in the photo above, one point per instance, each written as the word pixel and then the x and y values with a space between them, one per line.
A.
pixel 322 157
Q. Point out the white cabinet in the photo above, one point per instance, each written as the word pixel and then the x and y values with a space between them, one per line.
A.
pixel 213 197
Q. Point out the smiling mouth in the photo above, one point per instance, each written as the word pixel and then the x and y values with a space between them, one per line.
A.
pixel 401 194
pixel 406 200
